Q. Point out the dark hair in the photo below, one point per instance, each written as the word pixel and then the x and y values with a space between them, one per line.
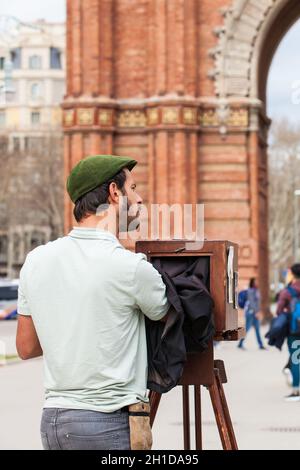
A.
pixel 296 270
pixel 89 202
pixel 252 282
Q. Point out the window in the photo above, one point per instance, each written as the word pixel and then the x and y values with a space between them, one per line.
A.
pixel 3 243
pixel 16 144
pixel 2 62
pixel 15 57
pixel 33 143
pixel 35 117
pixel 26 143
pixel 2 118
pixel 35 62
pixel 35 91
pixel 3 146
pixel 55 58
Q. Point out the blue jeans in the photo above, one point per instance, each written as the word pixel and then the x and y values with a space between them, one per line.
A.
pixel 294 366
pixel 251 320
pixel 68 429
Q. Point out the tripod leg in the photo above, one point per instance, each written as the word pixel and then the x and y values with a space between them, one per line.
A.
pixel 222 423
pixel 198 424
pixel 154 399
pixel 186 417
pixel 226 413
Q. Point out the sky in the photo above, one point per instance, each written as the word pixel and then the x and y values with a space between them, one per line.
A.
pixel 29 10
pixel 283 90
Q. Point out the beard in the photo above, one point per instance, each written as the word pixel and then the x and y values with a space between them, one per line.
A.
pixel 128 216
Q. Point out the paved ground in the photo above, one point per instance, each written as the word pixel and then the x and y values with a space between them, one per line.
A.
pixel 255 393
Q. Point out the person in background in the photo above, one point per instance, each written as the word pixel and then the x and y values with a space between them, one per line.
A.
pixel 287 369
pixel 8 313
pixel 284 306
pixel 251 310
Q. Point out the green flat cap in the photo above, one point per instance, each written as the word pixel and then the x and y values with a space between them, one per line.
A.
pixel 93 171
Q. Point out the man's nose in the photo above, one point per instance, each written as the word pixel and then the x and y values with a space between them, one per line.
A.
pixel 139 199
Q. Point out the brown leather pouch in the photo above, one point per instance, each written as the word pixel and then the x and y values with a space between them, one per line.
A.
pixel 139 424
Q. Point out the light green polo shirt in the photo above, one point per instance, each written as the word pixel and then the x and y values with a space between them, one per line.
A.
pixel 87 296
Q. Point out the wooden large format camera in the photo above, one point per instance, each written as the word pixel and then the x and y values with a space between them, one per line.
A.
pixel 220 267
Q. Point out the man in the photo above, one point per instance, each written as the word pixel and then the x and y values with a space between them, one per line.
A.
pixel 284 305
pixel 82 301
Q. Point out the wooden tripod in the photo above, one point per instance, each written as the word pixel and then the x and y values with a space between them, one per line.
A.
pixel 201 369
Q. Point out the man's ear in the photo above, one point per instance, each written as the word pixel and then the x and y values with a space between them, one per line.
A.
pixel 114 193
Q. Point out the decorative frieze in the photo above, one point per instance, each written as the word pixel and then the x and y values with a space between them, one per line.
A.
pixel 85 116
pixel 152 116
pixel 190 116
pixel 68 117
pixel 131 118
pixel 105 117
pixel 163 116
pixel 238 117
pixel 208 118
pixel 214 118
pixel 170 115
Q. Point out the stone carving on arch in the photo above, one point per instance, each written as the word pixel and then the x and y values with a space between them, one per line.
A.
pixel 246 23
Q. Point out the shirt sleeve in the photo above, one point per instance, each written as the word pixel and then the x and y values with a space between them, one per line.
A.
pixel 150 291
pixel 22 304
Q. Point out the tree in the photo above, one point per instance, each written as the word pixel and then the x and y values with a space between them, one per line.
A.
pixel 31 196
pixel 284 178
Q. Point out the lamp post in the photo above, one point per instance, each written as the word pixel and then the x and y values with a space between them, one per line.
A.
pixel 296 228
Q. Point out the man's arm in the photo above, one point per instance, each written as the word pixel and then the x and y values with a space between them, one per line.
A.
pixel 283 302
pixel 27 342
pixel 150 292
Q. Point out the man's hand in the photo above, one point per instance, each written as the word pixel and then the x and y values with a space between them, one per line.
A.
pixel 27 342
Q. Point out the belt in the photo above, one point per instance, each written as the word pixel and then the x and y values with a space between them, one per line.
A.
pixel 124 408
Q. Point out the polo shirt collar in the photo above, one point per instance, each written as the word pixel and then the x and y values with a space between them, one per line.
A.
pixel 92 233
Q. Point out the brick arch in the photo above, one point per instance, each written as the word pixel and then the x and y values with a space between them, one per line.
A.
pixel 247 40
pixel 246 43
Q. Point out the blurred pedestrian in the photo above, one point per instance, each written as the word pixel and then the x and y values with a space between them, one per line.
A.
pixel 251 310
pixel 287 304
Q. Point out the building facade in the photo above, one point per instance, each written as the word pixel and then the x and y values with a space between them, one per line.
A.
pixel 32 79
pixel 32 86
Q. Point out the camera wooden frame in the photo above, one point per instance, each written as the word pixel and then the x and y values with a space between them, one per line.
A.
pixel 201 368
